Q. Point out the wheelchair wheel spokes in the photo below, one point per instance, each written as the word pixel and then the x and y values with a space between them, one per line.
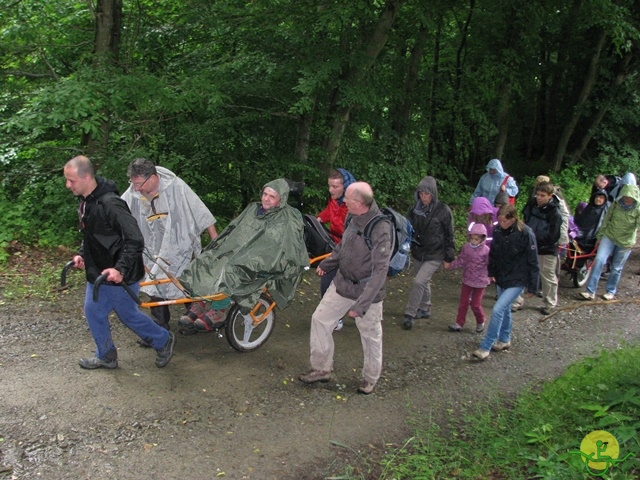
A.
pixel 242 333
pixel 582 274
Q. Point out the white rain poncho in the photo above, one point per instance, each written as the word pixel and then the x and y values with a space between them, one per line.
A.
pixel 171 226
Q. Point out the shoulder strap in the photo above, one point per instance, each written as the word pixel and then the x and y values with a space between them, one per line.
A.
pixel 504 182
pixel 371 224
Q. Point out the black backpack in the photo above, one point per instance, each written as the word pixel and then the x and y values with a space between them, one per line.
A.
pixel 316 237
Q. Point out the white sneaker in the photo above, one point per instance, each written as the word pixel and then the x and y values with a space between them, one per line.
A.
pixel 586 296
pixel 339 326
pixel 608 296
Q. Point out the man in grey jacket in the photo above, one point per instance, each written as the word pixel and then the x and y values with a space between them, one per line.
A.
pixel 357 290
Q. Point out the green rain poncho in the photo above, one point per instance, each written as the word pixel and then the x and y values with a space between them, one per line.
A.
pixel 253 252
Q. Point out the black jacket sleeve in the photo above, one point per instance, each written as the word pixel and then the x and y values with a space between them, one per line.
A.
pixel 129 259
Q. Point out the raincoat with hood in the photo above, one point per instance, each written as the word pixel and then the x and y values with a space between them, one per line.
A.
pixel 258 249
pixel 621 223
pixel 479 207
pixel 489 184
pixel 590 219
pixel 432 225
pixel 173 237
pixel 474 260
pixel 336 211
pixel 627 179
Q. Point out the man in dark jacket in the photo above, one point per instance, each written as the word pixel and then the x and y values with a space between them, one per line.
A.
pixel 433 244
pixel 112 245
pixel 543 216
pixel 357 290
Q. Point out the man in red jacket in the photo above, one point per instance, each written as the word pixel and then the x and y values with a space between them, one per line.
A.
pixel 335 214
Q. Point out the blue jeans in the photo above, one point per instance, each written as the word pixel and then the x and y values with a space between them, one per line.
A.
pixel 500 324
pixel 620 256
pixel 116 298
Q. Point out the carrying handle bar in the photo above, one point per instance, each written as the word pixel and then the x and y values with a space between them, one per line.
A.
pixel 63 275
pixel 102 278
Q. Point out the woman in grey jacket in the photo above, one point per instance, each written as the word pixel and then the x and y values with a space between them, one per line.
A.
pixel 433 244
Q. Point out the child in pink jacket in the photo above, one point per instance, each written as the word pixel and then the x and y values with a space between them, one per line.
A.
pixel 474 260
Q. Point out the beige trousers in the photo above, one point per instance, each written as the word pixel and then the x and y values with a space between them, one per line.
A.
pixel 332 308
pixel 549 265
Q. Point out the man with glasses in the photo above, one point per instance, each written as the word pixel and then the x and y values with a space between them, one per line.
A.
pixel 172 218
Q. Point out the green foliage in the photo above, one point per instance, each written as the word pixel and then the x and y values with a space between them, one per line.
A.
pixel 220 92
pixel 539 435
pixel 35 274
pixel 43 213
pixel 574 182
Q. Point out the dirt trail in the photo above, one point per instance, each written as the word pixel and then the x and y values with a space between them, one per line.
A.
pixel 216 413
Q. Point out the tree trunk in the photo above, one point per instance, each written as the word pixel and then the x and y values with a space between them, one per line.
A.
pixel 461 48
pixel 108 27
pixel 106 49
pixel 432 92
pixel 619 79
pixel 552 101
pixel 339 114
pixel 453 156
pixel 301 154
pixel 503 118
pixel 402 112
pixel 587 88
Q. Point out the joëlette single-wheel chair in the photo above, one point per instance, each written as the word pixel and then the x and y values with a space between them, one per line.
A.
pixel 250 330
pixel 244 332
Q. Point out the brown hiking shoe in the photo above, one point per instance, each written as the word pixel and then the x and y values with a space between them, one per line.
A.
pixel 366 388
pixel 481 354
pixel 315 376
pixel 500 346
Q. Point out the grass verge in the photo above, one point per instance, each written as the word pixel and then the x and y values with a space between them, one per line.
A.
pixel 539 435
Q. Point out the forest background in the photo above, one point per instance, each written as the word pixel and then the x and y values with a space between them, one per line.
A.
pixel 231 94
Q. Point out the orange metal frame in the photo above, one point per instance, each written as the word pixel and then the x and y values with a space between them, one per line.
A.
pixel 214 297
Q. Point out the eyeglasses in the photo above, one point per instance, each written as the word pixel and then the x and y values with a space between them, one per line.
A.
pixel 139 185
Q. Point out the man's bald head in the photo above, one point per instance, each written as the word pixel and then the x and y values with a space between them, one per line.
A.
pixel 82 165
pixel 358 197
pixel 362 192
pixel 80 176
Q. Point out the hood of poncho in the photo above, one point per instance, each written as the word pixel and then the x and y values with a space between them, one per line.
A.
pixel 496 165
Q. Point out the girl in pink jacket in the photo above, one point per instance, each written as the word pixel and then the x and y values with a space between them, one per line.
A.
pixel 474 260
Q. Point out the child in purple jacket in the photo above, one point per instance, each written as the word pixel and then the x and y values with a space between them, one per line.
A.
pixel 474 260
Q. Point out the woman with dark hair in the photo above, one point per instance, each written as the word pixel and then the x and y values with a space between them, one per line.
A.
pixel 513 266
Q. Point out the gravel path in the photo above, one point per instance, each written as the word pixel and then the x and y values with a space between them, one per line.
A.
pixel 216 413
